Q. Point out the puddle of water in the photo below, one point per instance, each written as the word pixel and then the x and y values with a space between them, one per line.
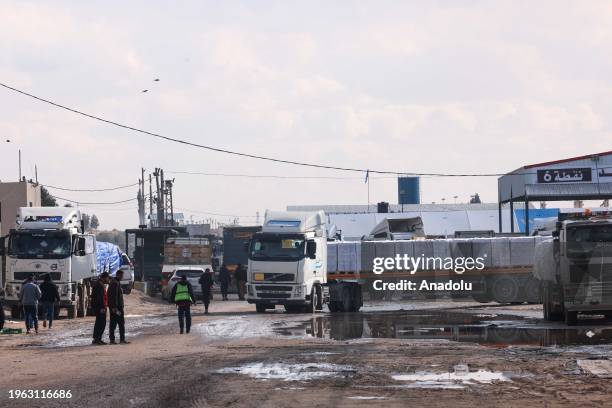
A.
pixel 81 336
pixel 288 372
pixel 485 329
pixel 366 397
pixel 451 379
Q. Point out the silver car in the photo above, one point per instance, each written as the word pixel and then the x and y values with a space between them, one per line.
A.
pixel 193 276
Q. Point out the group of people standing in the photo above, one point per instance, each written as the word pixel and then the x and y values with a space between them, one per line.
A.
pixel 31 295
pixel 240 276
pixel 111 299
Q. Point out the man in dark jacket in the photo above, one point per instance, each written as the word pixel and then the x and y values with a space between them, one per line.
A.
pixel 99 303
pixel 115 305
pixel 2 317
pixel 182 296
pixel 224 280
pixel 240 275
pixel 206 281
pixel 29 297
pixel 49 295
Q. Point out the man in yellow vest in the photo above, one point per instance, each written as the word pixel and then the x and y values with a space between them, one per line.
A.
pixel 182 296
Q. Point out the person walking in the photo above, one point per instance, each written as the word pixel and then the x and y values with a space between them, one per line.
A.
pixel 49 295
pixel 2 317
pixel 116 307
pixel 224 280
pixel 182 296
pixel 99 304
pixel 29 297
pixel 206 281
pixel 240 276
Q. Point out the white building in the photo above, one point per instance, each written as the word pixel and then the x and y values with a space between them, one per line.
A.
pixel 356 221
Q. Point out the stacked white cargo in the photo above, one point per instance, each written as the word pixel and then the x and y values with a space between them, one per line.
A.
pixel 506 276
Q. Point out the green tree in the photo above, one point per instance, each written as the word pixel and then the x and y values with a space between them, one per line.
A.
pixel 46 199
pixel 94 222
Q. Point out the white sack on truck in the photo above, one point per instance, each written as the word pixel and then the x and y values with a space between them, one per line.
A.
pixel 544 267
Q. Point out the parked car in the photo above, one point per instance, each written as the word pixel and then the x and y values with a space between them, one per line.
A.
pixel 193 276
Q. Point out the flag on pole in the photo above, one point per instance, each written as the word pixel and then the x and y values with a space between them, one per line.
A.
pixel 367 176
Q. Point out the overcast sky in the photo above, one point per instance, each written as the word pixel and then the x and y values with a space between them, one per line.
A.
pixel 431 86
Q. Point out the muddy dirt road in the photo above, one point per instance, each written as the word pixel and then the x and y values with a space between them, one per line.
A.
pixel 428 353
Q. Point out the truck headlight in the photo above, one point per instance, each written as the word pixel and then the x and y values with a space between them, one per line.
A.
pixel 299 291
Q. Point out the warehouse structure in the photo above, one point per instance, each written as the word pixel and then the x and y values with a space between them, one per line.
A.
pixel 578 178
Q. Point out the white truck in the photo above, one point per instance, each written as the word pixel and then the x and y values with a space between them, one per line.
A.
pixel 50 240
pixel 288 266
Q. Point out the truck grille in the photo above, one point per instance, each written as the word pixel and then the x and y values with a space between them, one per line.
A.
pixel 37 275
pixel 273 295
pixel 273 287
pixel 279 277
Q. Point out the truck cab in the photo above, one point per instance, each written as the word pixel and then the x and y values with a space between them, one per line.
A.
pixel 49 241
pixel 581 281
pixel 287 262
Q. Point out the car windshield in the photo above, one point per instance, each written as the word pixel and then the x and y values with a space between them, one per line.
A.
pixel 189 273
pixel 39 245
pixel 277 247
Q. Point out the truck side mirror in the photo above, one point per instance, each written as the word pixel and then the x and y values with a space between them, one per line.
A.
pixel 311 249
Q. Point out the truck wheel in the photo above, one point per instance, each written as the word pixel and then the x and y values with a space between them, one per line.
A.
pixel 80 304
pixel 347 300
pixel 260 307
pixel 571 318
pixel 314 300
pixel 15 313
pixel 505 289
pixel 357 300
pixel 71 311
pixel 531 289
pixel 333 307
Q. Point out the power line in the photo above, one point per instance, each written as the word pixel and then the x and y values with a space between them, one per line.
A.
pixel 94 203
pixel 266 176
pixel 249 155
pixel 89 190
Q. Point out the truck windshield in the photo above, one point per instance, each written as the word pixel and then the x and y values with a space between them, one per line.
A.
pixel 586 242
pixel 595 233
pixel 39 245
pixel 277 247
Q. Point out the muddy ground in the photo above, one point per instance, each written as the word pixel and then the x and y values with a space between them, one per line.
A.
pixel 411 353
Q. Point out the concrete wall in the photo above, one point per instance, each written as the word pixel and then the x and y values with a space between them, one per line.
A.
pixel 13 196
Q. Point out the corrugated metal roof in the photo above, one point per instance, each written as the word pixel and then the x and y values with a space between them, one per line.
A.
pixel 568 189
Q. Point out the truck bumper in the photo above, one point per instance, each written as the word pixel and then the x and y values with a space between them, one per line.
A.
pixel 277 294
pixel 281 302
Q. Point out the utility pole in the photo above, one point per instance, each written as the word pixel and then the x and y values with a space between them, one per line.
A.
pixel 19 164
pixel 150 201
pixel 163 198
pixel 169 205
pixel 158 199
pixel 141 199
